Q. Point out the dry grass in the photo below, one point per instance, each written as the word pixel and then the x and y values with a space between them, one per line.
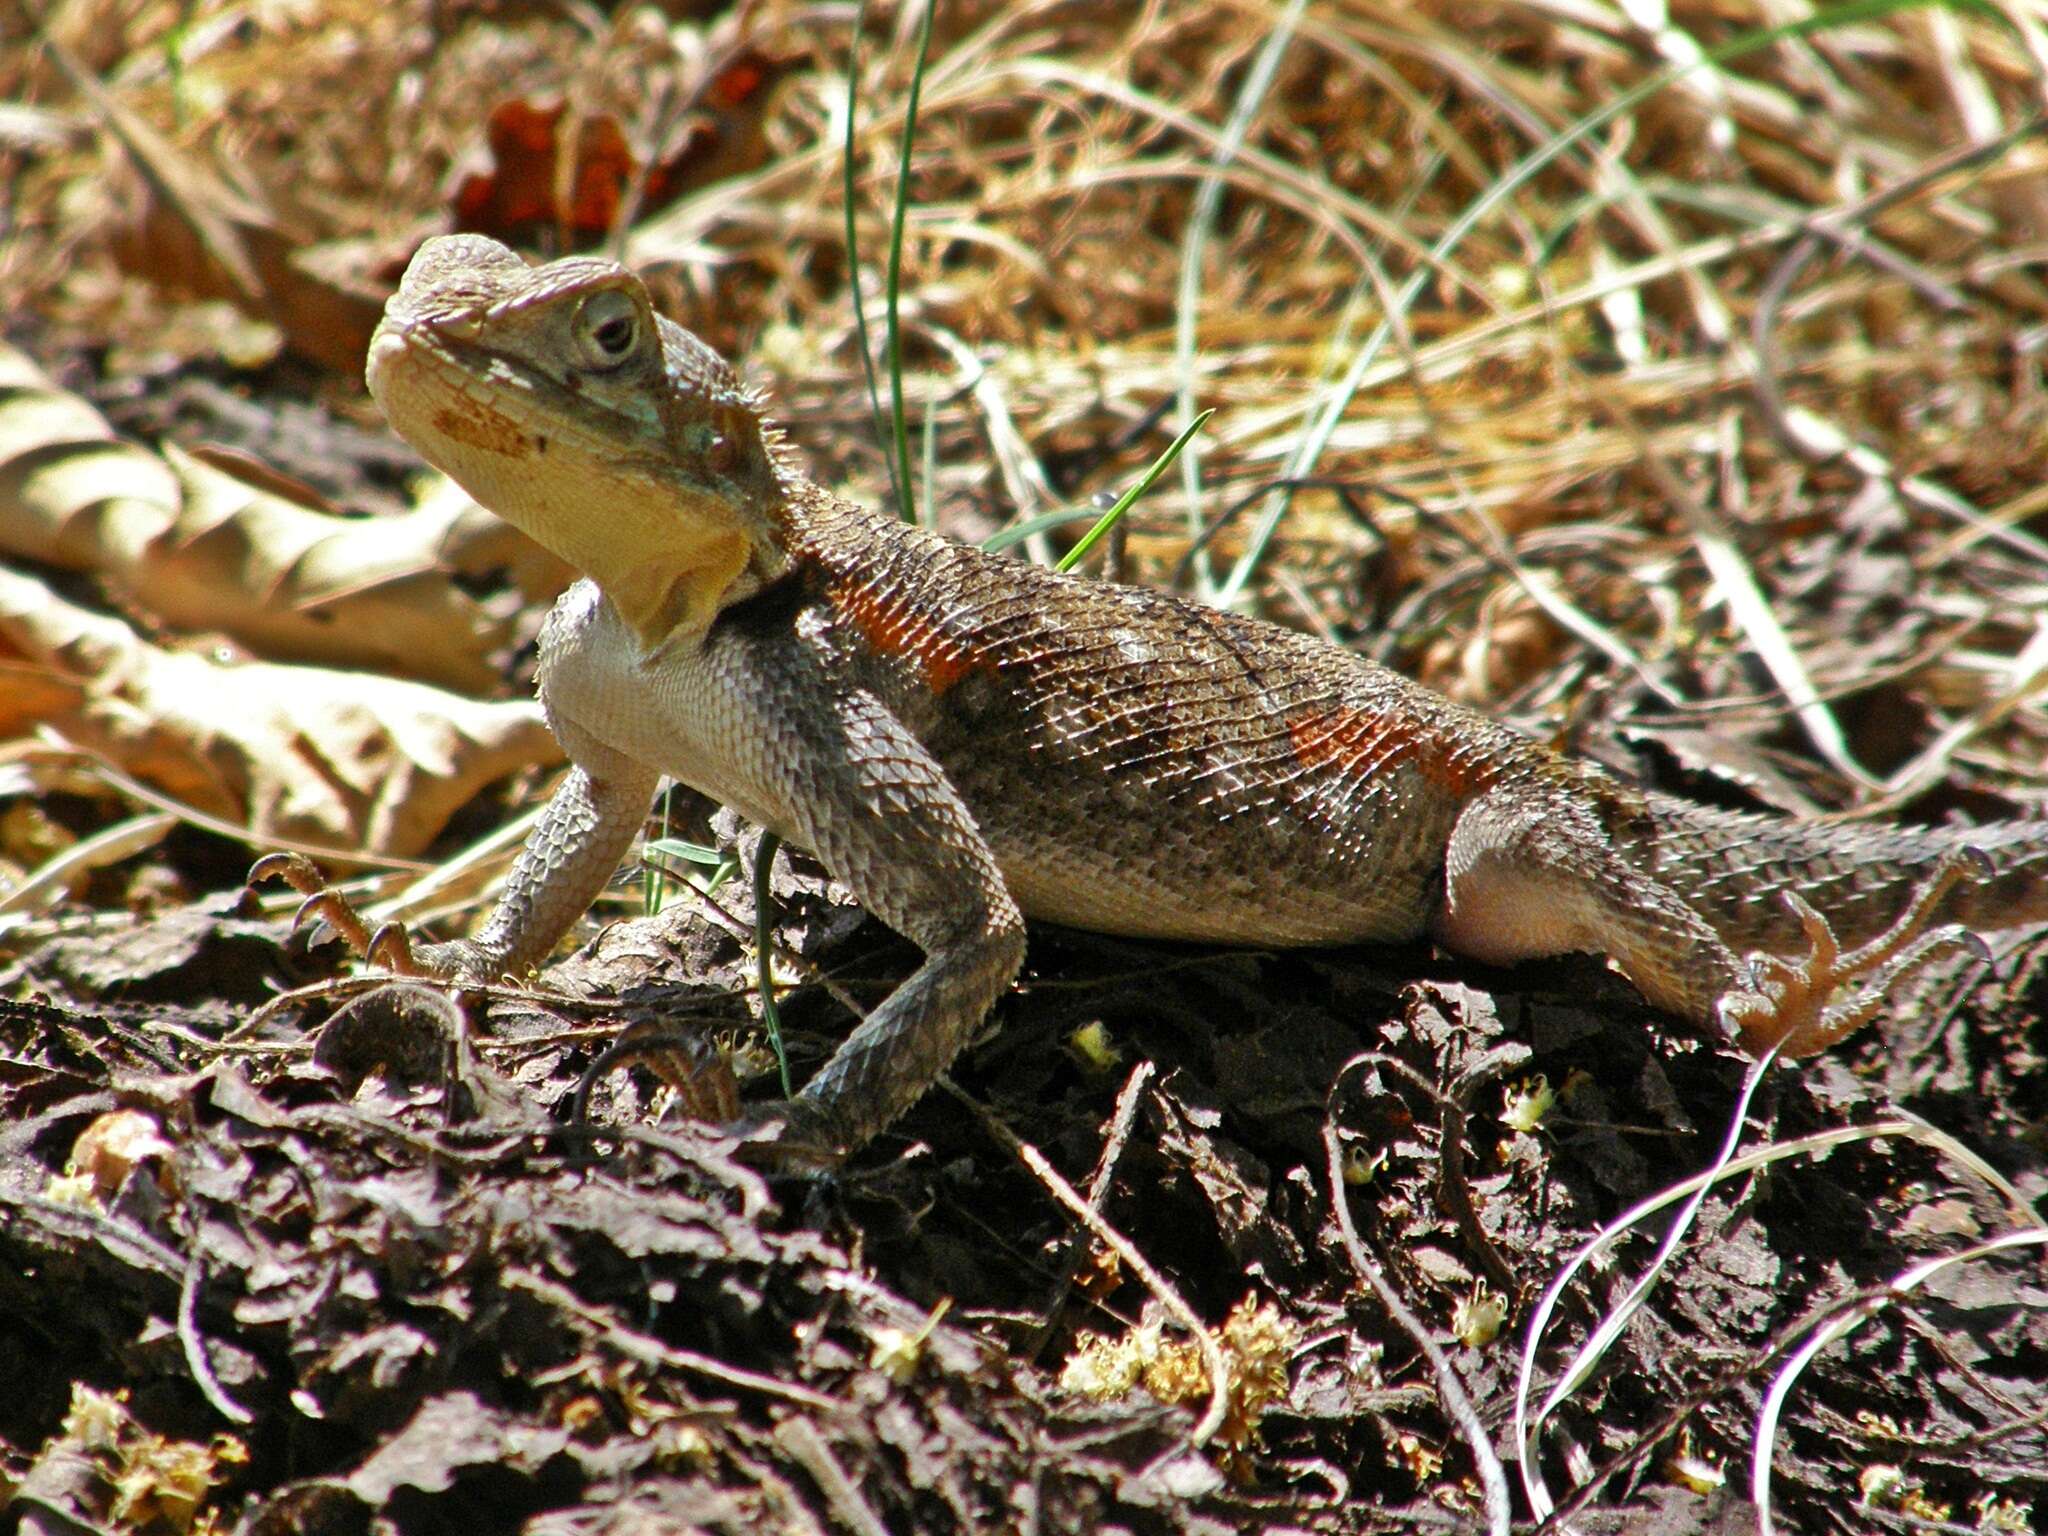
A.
pixel 1542 386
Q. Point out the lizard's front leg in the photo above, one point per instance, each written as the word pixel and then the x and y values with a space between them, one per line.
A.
pixel 576 846
pixel 863 794
pixel 582 834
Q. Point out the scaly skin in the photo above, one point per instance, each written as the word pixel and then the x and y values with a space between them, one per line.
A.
pixel 967 740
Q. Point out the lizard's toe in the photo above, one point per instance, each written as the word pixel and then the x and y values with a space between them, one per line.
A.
pixel 323 900
pixel 1790 1005
pixel 391 945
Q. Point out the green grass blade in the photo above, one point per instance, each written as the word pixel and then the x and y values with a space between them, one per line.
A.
pixel 848 162
pixel 1258 81
pixel 764 953
pixel 1125 502
pixel 671 856
pixel 1045 522
pixel 899 435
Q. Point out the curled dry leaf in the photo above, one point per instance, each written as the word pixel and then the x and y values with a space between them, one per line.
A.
pixel 204 549
pixel 346 759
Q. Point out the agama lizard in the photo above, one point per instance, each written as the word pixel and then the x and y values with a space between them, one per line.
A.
pixel 967 740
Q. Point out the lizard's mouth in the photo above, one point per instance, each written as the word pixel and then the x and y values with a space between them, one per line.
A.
pixel 388 347
pixel 430 396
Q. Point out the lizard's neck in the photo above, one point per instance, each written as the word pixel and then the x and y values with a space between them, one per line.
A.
pixel 668 573
pixel 670 567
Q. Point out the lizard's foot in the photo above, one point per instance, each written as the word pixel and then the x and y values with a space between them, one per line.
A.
pixel 1788 1005
pixel 790 1136
pixel 701 1077
pixel 322 900
pixel 390 945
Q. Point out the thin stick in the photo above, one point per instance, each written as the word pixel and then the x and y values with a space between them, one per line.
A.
pixel 1450 1390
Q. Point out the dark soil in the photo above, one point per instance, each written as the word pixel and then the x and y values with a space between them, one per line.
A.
pixel 368 1276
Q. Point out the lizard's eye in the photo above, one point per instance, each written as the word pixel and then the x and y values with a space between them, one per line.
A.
pixel 607 327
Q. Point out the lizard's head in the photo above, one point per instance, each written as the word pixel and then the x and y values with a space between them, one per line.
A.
pixel 559 399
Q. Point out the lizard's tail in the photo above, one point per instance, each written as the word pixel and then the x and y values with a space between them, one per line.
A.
pixel 1732 866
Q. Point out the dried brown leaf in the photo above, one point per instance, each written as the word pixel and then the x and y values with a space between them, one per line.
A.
pixel 206 550
pixel 344 759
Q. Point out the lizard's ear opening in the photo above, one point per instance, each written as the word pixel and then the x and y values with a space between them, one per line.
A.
pixel 608 329
pixel 733 443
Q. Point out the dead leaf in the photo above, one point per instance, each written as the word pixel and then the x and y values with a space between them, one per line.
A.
pixel 208 550
pixel 569 175
pixel 525 190
pixel 109 1148
pixel 106 1469
pixel 344 759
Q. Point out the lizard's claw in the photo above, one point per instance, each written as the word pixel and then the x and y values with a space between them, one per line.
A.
pixel 322 900
pixel 389 946
pixel 1788 1005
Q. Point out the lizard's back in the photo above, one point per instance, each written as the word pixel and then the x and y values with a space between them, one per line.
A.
pixel 1146 766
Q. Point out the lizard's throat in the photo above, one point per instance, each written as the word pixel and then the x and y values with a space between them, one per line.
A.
pixel 668 601
pixel 668 575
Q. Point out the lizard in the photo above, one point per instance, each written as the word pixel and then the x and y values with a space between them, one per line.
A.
pixel 968 740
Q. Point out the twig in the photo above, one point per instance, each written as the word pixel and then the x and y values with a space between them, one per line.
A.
pixel 807 1448
pixel 648 1351
pixel 1450 1391
pixel 1106 1162
pixel 1453 1188
pixel 195 1347
pixel 1832 224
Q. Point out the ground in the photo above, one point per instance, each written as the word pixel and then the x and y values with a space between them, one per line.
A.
pixel 1626 395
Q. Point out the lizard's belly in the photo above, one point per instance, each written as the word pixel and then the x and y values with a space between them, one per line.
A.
pixel 1104 857
pixel 1141 904
pixel 1197 825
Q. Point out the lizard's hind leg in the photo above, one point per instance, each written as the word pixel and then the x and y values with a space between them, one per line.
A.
pixel 1532 876
pixel 1527 878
